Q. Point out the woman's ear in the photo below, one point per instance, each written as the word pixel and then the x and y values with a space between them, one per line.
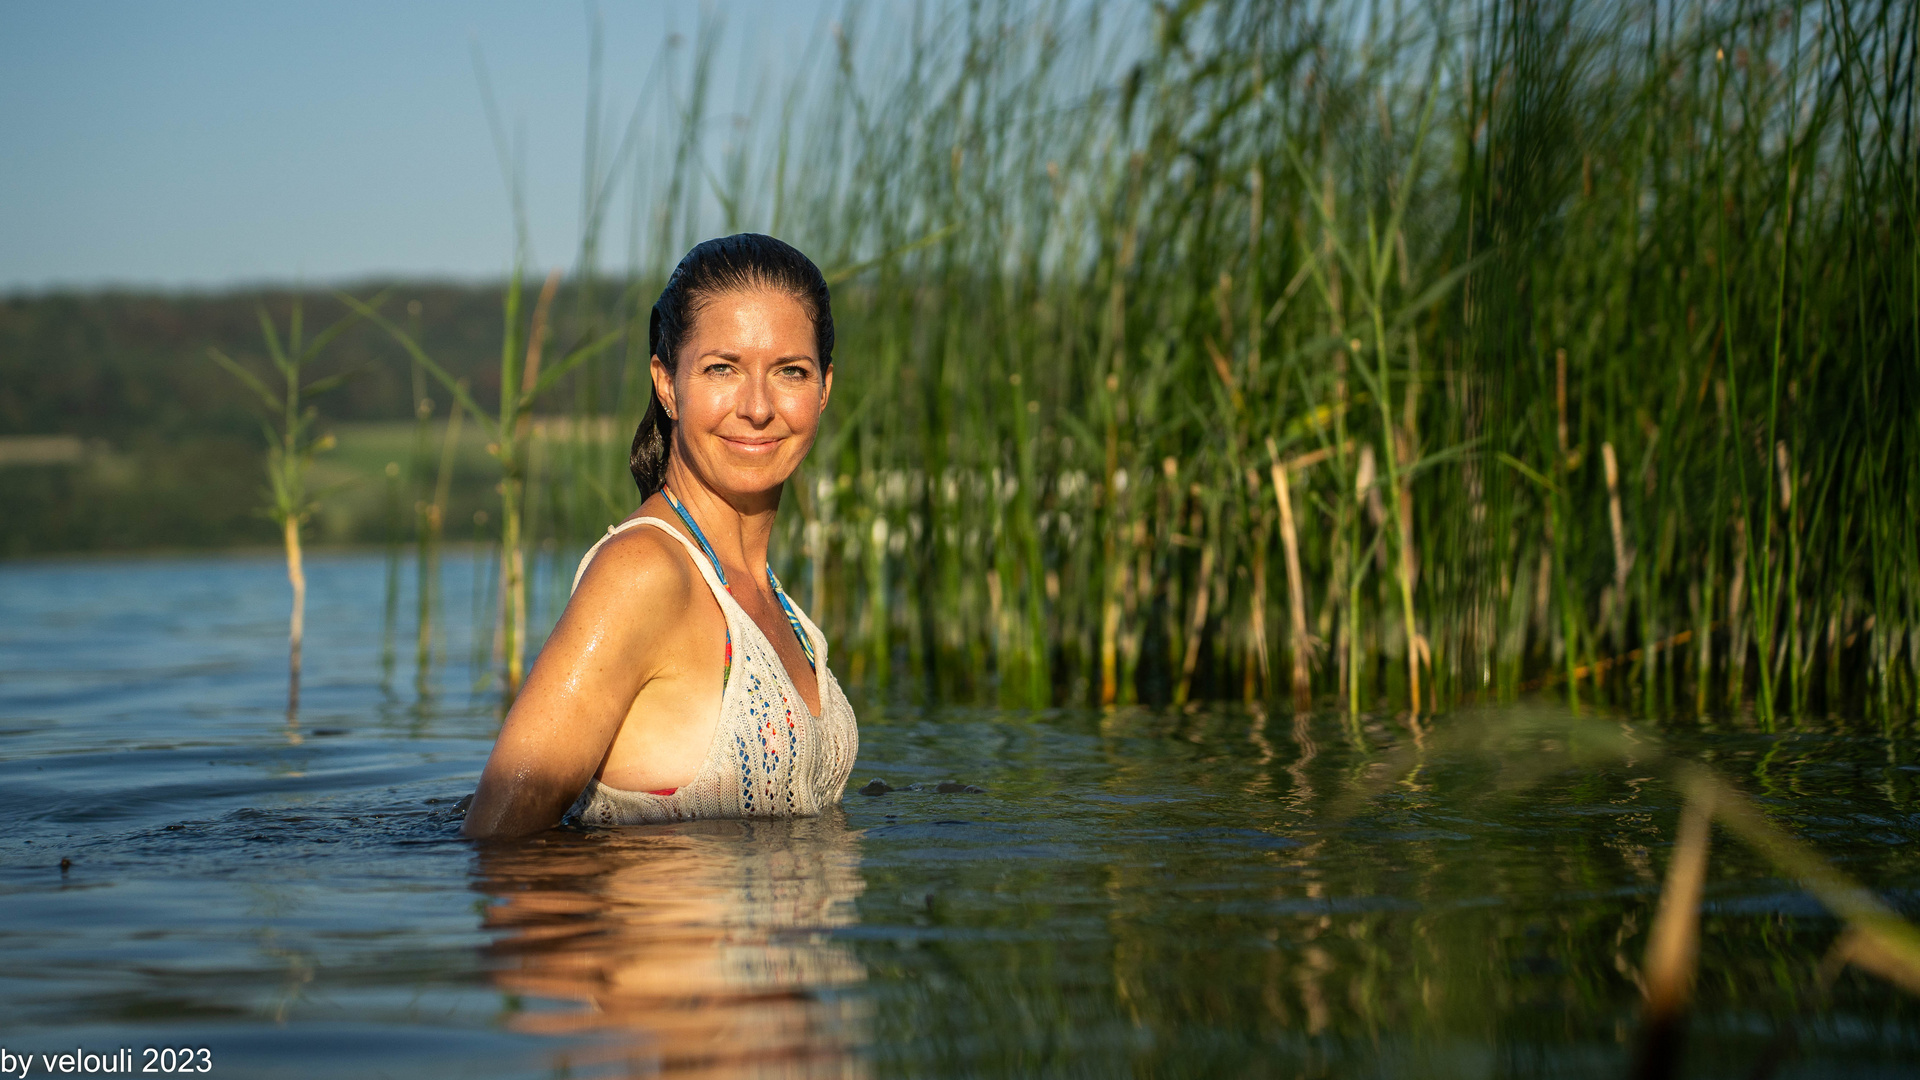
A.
pixel 826 387
pixel 663 387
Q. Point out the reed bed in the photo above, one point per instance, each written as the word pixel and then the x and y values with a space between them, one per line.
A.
pixel 1386 356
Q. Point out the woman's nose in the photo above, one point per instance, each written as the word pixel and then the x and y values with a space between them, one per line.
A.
pixel 756 403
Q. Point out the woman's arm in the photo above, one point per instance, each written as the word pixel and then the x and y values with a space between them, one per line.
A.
pixel 600 654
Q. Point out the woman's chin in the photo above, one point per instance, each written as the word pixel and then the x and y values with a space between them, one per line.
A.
pixel 748 481
pixel 745 474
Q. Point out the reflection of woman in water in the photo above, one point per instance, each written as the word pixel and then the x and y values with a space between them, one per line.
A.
pixel 681 682
pixel 703 949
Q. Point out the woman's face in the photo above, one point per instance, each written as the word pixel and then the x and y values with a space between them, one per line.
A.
pixel 748 395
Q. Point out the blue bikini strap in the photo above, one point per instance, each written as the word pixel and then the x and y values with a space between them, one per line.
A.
pixel 780 594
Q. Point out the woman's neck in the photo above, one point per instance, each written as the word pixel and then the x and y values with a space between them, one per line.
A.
pixel 738 529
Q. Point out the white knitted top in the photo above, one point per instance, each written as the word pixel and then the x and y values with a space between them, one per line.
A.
pixel 769 757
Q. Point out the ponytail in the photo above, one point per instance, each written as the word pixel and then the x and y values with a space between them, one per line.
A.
pixel 653 439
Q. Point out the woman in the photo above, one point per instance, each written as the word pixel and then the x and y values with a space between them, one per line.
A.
pixel 681 681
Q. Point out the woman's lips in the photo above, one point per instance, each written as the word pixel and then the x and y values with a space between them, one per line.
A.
pixel 751 446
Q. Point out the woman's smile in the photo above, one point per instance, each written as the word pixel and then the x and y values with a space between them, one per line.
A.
pixel 755 445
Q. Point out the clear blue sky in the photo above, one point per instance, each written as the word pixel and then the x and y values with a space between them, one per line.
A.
pixel 200 144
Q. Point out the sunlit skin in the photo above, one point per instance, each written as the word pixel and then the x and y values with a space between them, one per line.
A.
pixel 627 688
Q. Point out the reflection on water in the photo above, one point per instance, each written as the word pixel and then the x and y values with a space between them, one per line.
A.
pixel 694 949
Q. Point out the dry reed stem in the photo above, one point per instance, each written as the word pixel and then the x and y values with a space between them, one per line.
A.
pixel 536 347
pixel 1197 623
pixel 1622 558
pixel 1600 666
pixel 1883 942
pixel 296 628
pixel 1874 938
pixel 1296 587
pixel 1673 949
pixel 1560 405
pixel 1407 567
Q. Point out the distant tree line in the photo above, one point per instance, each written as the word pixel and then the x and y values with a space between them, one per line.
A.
pixel 172 443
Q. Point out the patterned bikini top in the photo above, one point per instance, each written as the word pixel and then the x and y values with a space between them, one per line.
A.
pixel 769 757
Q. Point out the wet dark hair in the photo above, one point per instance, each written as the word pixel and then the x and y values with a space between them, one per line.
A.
pixel 713 268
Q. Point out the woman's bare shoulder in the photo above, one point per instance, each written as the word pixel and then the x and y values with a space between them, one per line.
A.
pixel 640 565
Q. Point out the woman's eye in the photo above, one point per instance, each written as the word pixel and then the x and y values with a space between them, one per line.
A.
pixel 796 372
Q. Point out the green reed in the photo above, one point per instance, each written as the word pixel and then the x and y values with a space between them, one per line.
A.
pixel 1584 338
pixel 292 442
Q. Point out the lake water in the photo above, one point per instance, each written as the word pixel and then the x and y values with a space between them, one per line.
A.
pixel 1220 892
